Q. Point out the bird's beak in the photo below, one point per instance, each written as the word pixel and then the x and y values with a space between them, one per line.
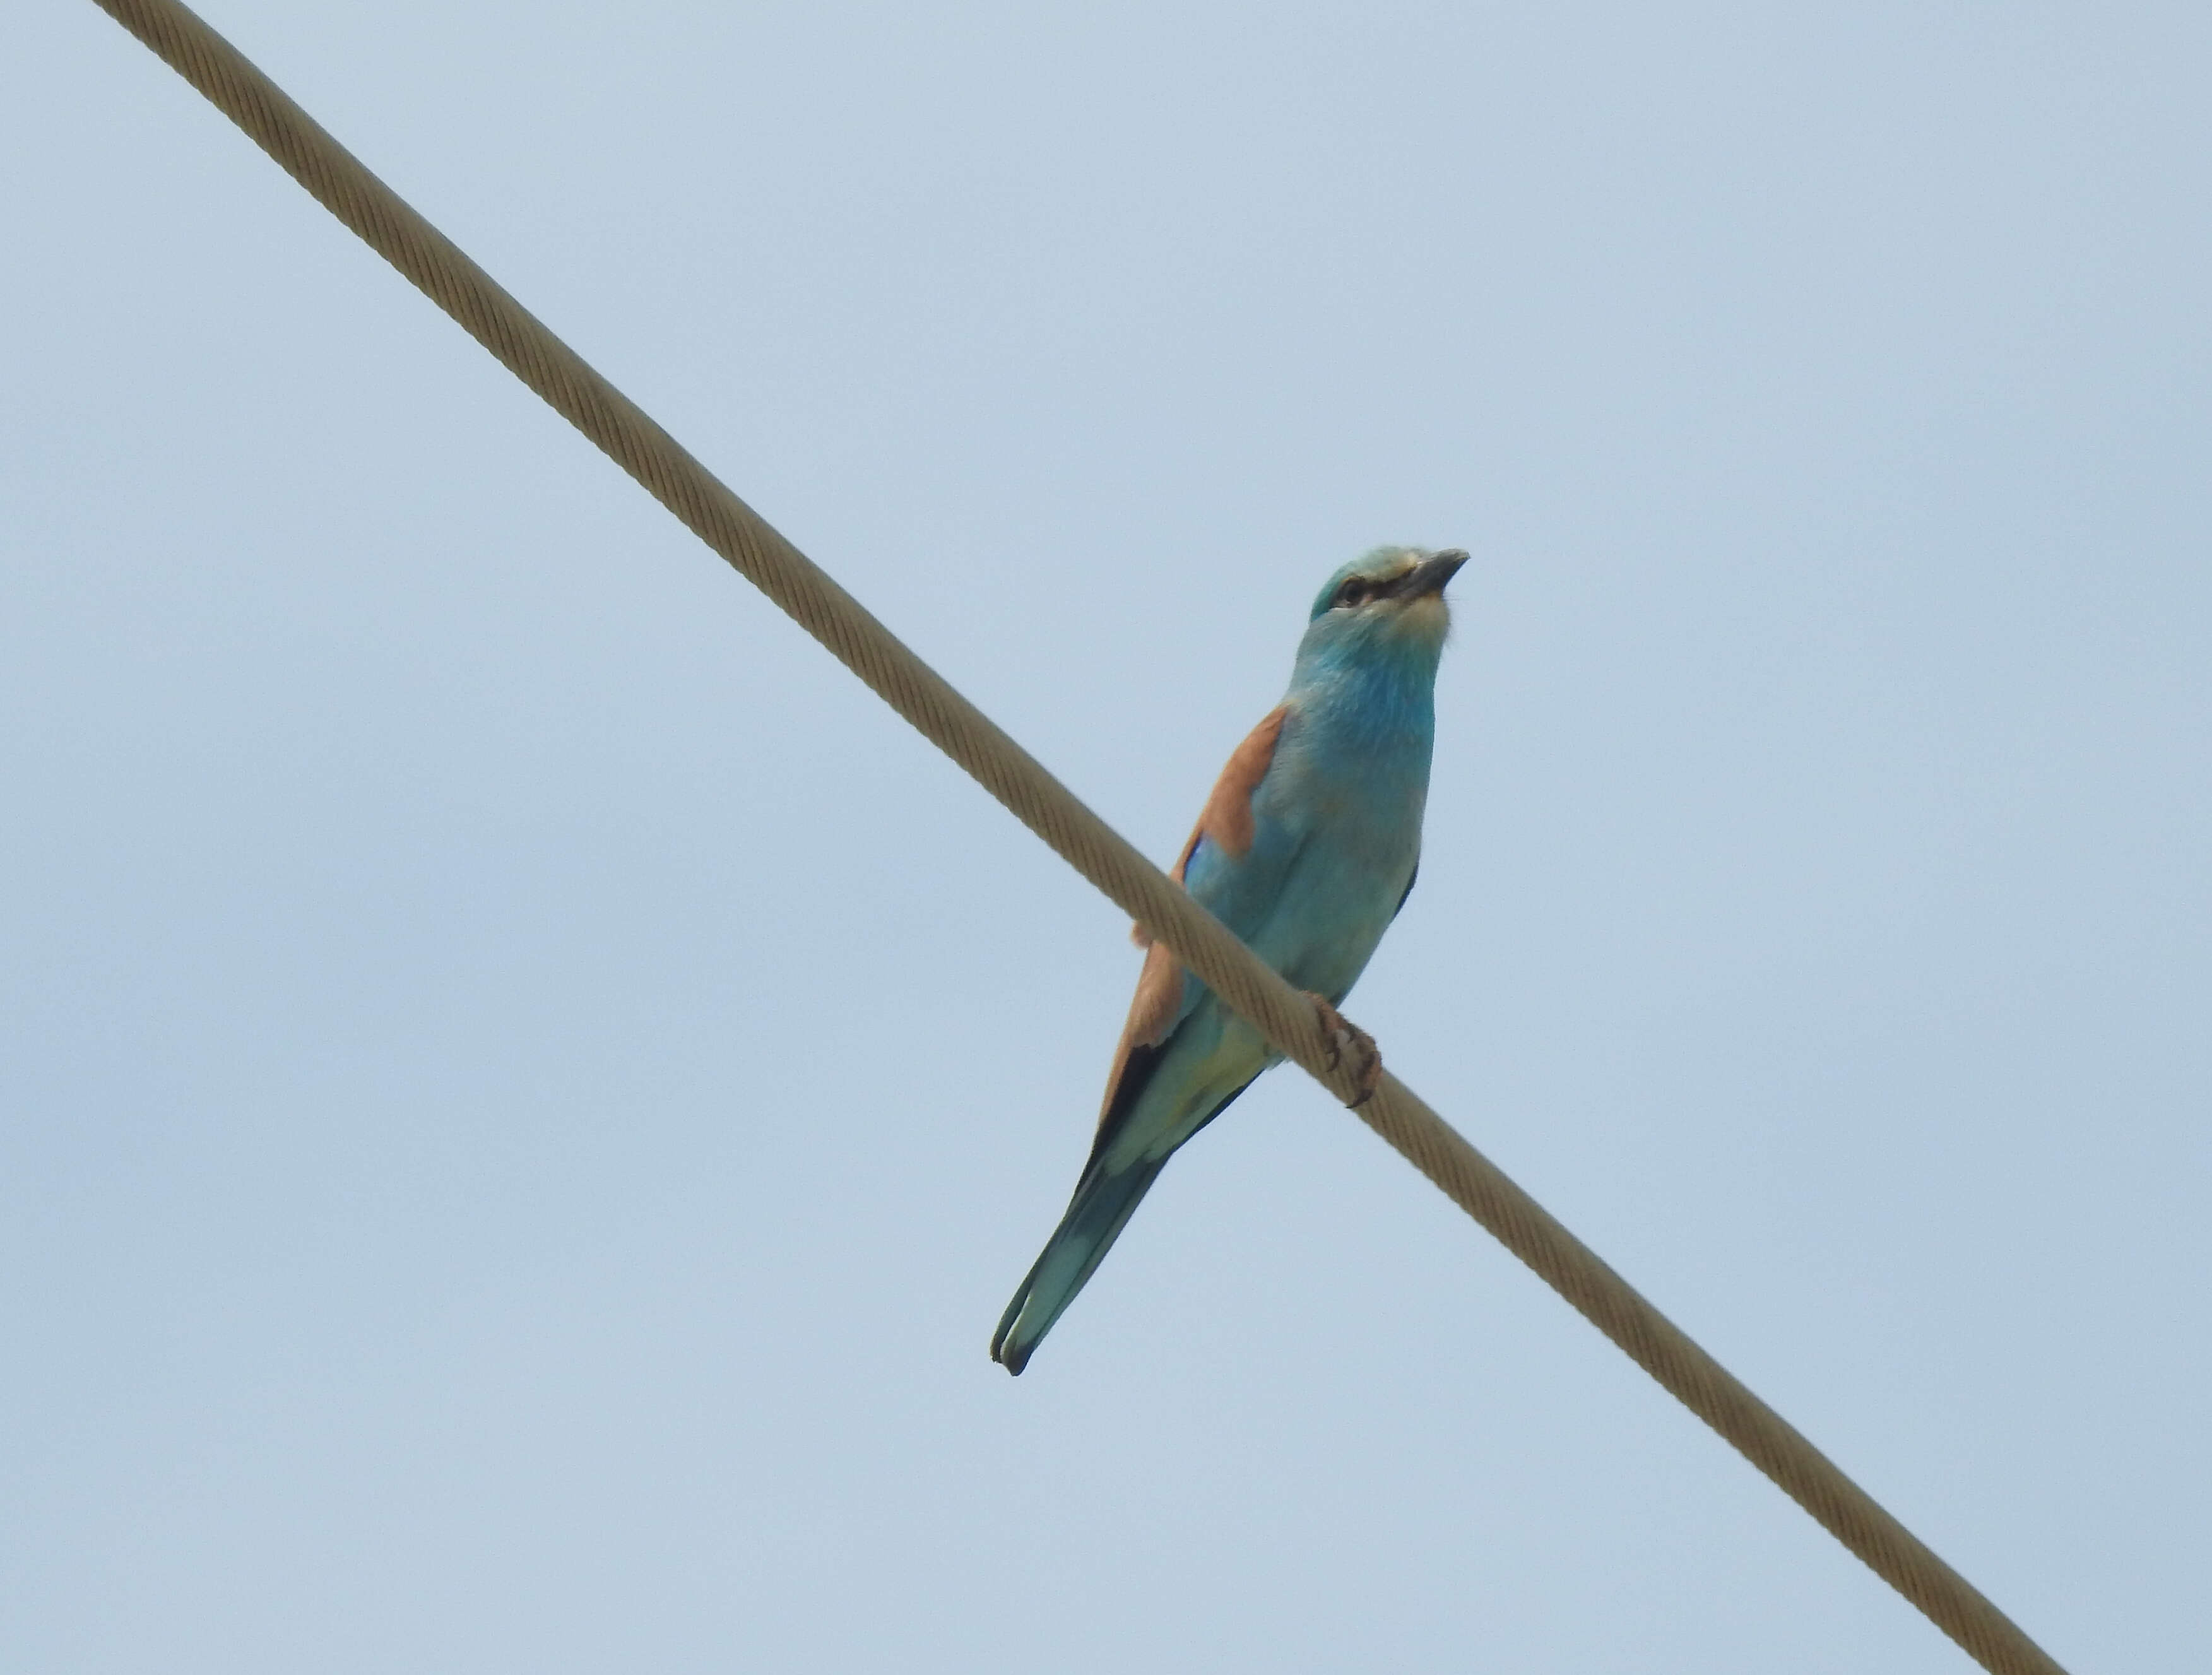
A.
pixel 1429 576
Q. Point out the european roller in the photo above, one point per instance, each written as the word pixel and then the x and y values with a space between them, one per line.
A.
pixel 1306 849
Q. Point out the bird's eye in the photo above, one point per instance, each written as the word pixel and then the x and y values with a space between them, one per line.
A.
pixel 1351 593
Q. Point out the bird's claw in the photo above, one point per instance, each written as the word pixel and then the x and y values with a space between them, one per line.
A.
pixel 1346 1040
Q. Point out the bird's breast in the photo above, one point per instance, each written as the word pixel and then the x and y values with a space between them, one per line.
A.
pixel 1364 802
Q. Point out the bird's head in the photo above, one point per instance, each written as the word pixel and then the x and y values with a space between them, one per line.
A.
pixel 1385 607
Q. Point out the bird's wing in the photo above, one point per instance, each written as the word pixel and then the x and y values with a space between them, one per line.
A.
pixel 1216 865
pixel 1227 820
pixel 1232 876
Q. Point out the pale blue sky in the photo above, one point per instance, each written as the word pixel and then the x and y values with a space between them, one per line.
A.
pixel 523 1089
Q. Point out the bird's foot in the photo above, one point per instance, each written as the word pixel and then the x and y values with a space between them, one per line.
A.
pixel 1347 1041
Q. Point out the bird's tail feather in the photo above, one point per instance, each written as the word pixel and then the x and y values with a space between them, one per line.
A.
pixel 1101 1208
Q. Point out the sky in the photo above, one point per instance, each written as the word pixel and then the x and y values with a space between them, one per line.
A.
pixel 523 1090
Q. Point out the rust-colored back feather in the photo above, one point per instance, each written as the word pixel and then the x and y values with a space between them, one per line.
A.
pixel 1227 820
pixel 1227 816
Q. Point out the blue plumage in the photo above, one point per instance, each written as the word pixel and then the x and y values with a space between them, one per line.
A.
pixel 1306 849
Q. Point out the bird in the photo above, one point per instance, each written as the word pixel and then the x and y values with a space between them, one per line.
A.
pixel 1306 849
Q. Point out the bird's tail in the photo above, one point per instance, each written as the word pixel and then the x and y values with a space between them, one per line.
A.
pixel 1101 1208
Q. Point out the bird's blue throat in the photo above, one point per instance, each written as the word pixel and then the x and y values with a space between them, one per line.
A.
pixel 1374 684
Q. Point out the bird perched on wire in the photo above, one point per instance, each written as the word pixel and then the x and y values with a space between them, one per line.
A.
pixel 1306 849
